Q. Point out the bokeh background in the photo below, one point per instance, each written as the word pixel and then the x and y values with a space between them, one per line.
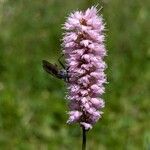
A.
pixel 32 104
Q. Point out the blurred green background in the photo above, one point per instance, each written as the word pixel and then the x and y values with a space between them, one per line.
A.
pixel 32 104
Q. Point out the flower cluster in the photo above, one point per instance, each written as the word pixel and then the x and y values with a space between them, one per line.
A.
pixel 84 50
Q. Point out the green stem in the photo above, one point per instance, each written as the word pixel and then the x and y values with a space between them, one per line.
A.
pixel 83 138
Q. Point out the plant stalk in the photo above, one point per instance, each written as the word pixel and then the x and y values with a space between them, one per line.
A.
pixel 83 138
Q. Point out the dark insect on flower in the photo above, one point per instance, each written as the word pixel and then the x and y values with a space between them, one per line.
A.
pixel 54 71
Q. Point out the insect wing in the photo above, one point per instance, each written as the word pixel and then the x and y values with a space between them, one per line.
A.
pixel 50 68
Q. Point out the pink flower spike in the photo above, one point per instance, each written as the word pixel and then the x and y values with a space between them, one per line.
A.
pixel 84 50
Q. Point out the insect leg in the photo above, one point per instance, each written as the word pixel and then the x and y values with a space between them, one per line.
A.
pixel 61 62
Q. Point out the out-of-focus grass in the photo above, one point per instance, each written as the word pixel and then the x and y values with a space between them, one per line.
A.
pixel 32 105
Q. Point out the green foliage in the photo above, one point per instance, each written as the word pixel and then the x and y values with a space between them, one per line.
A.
pixel 32 104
